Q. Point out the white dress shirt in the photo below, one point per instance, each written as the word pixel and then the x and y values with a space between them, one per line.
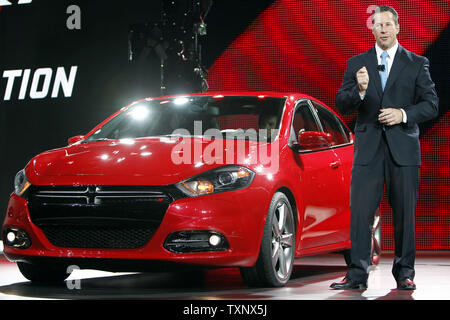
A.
pixel 391 55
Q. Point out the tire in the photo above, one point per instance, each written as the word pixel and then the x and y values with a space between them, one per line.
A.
pixel 44 274
pixel 276 256
pixel 375 251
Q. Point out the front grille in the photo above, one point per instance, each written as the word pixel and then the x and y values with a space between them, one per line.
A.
pixel 120 217
pixel 97 237
pixel 97 195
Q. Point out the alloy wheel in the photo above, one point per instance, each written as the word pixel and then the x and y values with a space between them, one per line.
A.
pixel 282 241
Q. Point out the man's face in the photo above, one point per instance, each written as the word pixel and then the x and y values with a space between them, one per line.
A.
pixel 269 123
pixel 385 30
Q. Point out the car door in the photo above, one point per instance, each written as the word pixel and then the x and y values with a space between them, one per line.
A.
pixel 342 147
pixel 321 185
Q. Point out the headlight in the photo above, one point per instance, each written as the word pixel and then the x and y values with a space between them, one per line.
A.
pixel 21 183
pixel 227 178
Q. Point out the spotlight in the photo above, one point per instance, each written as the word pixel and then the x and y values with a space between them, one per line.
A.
pixel 139 113
pixel 180 101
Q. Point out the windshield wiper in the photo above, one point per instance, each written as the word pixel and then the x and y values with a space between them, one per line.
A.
pixel 95 140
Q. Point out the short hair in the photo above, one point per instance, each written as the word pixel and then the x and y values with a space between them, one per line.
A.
pixel 385 9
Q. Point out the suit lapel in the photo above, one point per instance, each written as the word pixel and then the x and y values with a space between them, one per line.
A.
pixel 397 67
pixel 372 63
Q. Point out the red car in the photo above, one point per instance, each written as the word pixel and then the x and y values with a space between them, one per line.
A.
pixel 248 180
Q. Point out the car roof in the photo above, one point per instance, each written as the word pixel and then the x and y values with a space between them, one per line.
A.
pixel 274 94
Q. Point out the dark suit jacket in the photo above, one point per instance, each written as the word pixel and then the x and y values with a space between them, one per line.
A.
pixel 409 86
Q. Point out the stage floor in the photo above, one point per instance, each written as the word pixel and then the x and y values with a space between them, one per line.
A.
pixel 311 279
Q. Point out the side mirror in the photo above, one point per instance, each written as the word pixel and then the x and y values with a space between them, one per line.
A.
pixel 75 139
pixel 312 140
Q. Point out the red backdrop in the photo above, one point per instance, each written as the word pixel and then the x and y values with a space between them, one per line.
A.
pixel 302 46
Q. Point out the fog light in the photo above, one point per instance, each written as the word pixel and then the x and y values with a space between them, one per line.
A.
pixel 196 241
pixel 16 238
pixel 11 236
pixel 214 240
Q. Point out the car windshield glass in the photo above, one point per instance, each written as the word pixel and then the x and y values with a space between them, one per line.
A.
pixel 227 117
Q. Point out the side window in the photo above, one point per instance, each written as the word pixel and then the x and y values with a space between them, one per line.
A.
pixel 331 124
pixel 303 120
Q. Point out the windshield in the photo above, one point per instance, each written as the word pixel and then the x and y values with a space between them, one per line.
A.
pixel 227 117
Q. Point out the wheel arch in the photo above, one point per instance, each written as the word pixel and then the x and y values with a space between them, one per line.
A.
pixel 290 195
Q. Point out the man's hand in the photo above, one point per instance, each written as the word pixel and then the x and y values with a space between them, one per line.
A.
pixel 362 76
pixel 390 116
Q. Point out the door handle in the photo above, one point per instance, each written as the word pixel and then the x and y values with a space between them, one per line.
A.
pixel 335 165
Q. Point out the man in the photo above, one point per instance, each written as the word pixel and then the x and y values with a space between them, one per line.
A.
pixel 392 91
pixel 267 126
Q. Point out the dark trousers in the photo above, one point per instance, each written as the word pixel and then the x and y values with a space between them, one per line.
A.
pixel 367 188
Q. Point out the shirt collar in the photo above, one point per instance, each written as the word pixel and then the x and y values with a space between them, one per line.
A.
pixel 391 52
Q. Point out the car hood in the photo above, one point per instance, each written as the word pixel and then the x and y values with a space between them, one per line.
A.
pixel 156 161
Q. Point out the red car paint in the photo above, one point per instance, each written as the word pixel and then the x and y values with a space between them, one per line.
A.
pixel 316 182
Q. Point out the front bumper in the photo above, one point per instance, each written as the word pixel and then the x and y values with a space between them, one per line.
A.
pixel 235 215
